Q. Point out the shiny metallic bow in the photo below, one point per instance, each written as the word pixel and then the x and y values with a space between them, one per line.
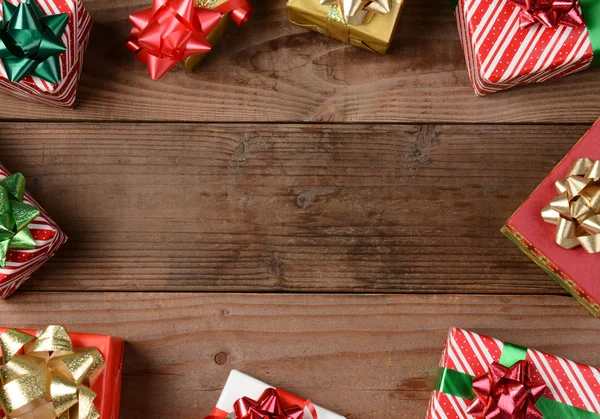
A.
pixel 168 32
pixel 506 393
pixel 575 211
pixel 172 30
pixel 549 12
pixel 357 12
pixel 44 377
pixel 30 41
pixel 15 215
pixel 268 406
pixel 272 404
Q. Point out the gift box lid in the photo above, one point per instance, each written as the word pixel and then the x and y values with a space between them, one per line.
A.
pixel 576 264
pixel 240 385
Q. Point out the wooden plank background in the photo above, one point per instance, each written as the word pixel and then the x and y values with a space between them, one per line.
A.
pixel 307 212
pixel 336 208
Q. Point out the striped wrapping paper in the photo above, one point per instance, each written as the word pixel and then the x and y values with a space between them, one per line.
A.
pixel 501 55
pixel 22 263
pixel 76 38
pixel 567 382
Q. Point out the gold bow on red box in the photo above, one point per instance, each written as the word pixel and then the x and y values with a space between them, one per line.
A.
pixel 46 377
pixel 576 209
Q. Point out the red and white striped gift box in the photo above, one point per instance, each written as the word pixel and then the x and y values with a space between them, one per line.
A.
pixel 501 55
pixel 75 38
pixel 566 381
pixel 20 264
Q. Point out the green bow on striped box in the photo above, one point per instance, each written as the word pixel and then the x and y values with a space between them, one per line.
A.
pixel 15 216
pixel 30 43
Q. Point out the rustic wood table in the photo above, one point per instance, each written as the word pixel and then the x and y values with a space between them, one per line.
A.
pixel 307 212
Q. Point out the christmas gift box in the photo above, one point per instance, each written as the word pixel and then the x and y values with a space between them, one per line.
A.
pixel 481 377
pixel 558 225
pixel 509 43
pixel 28 236
pixel 42 46
pixel 53 374
pixel 365 24
pixel 182 32
pixel 244 397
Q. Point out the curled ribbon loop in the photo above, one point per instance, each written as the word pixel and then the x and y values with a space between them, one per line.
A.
pixel 575 211
pixel 172 30
pixel 506 393
pixel 358 12
pixel 15 216
pixel 46 378
pixel 272 404
pixel 30 43
pixel 550 13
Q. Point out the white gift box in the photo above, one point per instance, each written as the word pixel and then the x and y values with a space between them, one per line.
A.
pixel 240 385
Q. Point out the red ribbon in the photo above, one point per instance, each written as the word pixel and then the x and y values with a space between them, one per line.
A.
pixel 272 404
pixel 172 30
pixel 549 12
pixel 506 393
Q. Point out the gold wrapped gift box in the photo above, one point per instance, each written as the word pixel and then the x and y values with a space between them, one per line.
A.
pixel 213 37
pixel 365 29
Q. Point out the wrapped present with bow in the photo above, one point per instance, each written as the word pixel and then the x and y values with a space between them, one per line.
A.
pixel 52 374
pixel 363 23
pixel 510 43
pixel 245 397
pixel 42 44
pixel 485 378
pixel 558 226
pixel 28 236
pixel 182 32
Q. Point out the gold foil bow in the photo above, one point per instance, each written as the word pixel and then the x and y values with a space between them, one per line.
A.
pixel 358 12
pixel 575 211
pixel 44 377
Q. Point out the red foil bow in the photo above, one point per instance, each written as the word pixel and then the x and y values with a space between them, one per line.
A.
pixel 272 404
pixel 172 30
pixel 506 393
pixel 549 12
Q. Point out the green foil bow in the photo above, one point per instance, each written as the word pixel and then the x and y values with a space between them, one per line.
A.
pixel 30 41
pixel 15 215
pixel 44 377
pixel 459 384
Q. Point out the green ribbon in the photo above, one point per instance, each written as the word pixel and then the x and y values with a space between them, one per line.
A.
pixel 591 15
pixel 30 41
pixel 15 215
pixel 459 384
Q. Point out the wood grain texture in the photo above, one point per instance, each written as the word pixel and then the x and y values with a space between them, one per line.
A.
pixel 270 70
pixel 362 356
pixel 337 208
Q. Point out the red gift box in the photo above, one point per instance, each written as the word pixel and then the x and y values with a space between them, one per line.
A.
pixel 75 38
pixel 22 263
pixel 564 389
pixel 575 269
pixel 500 54
pixel 108 386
